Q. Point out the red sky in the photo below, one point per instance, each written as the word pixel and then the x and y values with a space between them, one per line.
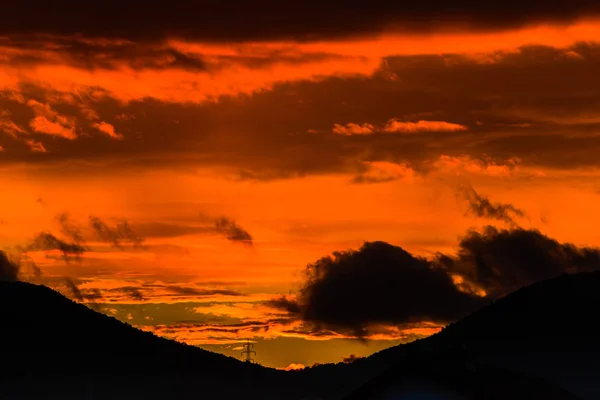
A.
pixel 309 145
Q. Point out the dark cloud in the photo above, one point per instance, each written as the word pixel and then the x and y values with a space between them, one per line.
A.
pixel 191 291
pixel 91 54
pixel 482 207
pixel 270 19
pixel 9 270
pixel 132 292
pixel 46 241
pixel 167 230
pixel 379 283
pixel 110 55
pixel 73 289
pixel 232 231
pixel 502 260
pixel 81 295
pixel 28 270
pixel 202 225
pixel 350 359
pixel 120 233
pixel 382 283
pixel 93 294
pixel 264 137
pixel 12 268
pixel 69 229
pixel 364 179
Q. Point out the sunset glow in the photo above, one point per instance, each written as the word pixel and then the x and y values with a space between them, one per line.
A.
pixel 201 176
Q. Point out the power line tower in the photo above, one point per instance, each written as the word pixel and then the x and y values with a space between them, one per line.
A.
pixel 248 367
pixel 247 353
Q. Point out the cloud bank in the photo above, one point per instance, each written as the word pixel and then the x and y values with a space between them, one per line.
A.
pixel 383 284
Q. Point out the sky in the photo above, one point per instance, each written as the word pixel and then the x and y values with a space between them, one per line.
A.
pixel 325 180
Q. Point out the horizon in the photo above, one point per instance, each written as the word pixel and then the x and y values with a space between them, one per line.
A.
pixel 326 190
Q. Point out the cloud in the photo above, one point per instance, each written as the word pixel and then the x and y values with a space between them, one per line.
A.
pixel 353 129
pixel 382 171
pixel 465 164
pixel 294 367
pixel 350 359
pixel 35 146
pixel 93 294
pixel 379 283
pixel 383 284
pixel 133 293
pixel 9 127
pixel 232 71
pixel 269 19
pixel 68 228
pixel 185 70
pixel 232 231
pixel 9 270
pixel 168 230
pixel 50 122
pixel 253 137
pixel 107 129
pixel 191 291
pixel 482 207
pixel 82 295
pixel 395 126
pixel 502 260
pixel 121 232
pixel 73 289
pixel 45 241
pixel 43 125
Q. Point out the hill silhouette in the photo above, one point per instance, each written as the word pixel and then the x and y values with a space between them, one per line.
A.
pixel 453 379
pixel 547 330
pixel 535 340
pixel 51 344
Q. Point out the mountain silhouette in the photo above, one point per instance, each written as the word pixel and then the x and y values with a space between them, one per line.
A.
pixel 540 341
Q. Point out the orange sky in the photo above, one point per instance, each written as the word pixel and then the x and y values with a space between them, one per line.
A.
pixel 311 147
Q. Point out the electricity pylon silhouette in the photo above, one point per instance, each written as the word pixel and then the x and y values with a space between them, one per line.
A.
pixel 247 353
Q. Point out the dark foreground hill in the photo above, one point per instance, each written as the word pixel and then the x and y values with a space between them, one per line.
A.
pixel 535 340
pixel 452 379
pixel 52 347
pixel 549 330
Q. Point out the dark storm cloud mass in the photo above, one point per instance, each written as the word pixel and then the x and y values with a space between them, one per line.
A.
pixel 269 19
pixel 501 261
pixel 382 283
pixel 481 206
pixel 379 283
